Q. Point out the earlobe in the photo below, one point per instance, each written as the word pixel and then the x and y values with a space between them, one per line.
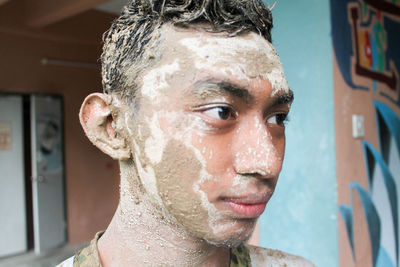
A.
pixel 97 122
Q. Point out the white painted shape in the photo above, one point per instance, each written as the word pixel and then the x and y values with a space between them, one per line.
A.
pixel 394 167
pixel 358 126
pixel 48 196
pixel 12 186
pixel 380 198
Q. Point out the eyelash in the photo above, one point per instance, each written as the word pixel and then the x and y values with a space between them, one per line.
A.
pixel 281 119
pixel 215 106
pixel 223 111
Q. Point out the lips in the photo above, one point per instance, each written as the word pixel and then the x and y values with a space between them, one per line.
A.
pixel 250 206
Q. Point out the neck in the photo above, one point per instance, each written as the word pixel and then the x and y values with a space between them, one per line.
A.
pixel 142 234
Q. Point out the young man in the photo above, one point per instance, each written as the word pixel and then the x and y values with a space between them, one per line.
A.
pixel 194 109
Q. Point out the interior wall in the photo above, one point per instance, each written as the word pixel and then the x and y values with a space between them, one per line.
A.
pixel 91 177
pixel 301 217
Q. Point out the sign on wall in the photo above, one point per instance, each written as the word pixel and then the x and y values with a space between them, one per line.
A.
pixel 5 135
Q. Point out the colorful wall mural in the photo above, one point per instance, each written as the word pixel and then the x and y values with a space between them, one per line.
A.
pixel 366 42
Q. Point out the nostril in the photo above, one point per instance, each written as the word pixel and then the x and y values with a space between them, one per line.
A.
pixel 256 161
pixel 259 173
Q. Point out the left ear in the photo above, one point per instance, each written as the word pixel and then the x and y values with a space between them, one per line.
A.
pixel 97 121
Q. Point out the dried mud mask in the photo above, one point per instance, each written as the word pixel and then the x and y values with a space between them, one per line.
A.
pixel 246 58
pixel 181 168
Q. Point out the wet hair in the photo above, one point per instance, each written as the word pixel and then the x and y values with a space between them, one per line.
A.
pixel 127 42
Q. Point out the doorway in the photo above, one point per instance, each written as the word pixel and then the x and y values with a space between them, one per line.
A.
pixel 32 191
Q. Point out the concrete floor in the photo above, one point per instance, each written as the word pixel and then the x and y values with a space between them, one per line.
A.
pixel 46 259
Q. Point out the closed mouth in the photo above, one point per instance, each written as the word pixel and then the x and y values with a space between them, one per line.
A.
pixel 247 206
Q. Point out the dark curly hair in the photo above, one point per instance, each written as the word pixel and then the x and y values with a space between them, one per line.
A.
pixel 130 35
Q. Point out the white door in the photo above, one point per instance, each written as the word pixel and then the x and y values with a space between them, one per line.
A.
pixel 47 172
pixel 13 228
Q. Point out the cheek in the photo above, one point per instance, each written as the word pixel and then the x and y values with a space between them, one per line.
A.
pixel 279 141
pixel 177 174
pixel 216 151
pixel 280 151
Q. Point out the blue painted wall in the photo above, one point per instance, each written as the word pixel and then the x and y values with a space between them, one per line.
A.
pixel 301 218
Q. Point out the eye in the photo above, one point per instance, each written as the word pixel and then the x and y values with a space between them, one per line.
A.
pixel 221 113
pixel 278 119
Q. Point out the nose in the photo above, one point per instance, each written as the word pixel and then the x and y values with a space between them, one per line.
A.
pixel 255 152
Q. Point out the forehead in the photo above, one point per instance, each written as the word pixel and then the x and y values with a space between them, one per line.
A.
pixel 193 55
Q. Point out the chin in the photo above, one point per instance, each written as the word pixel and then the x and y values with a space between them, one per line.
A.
pixel 234 234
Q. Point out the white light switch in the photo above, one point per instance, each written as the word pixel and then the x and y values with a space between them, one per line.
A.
pixel 358 126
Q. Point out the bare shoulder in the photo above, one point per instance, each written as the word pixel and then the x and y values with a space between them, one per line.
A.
pixel 269 257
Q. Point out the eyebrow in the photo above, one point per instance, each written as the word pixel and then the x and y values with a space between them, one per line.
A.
pixel 217 88
pixel 284 98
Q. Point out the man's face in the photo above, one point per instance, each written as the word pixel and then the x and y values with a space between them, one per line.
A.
pixel 209 137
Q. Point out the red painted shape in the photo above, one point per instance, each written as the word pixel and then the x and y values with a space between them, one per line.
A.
pixel 367 48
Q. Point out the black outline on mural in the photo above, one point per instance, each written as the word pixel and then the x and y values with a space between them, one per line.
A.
pixel 384 6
